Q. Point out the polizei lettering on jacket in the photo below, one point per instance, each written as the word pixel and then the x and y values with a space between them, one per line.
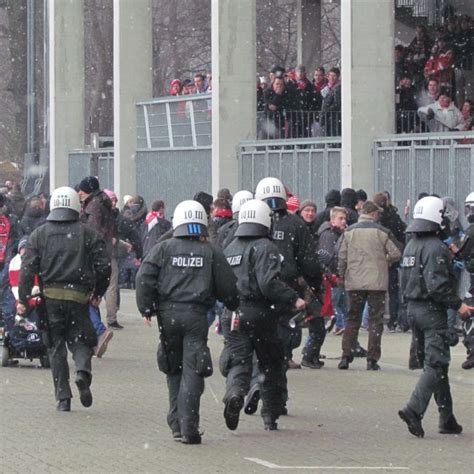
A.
pixel 278 235
pixel 187 261
pixel 408 261
pixel 234 260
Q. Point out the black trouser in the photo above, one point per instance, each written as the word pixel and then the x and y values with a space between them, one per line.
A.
pixel 429 326
pixel 68 323
pixel 317 334
pixel 393 296
pixel 357 299
pixel 257 332
pixel 186 360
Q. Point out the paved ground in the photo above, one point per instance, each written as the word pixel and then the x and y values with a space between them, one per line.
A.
pixel 338 420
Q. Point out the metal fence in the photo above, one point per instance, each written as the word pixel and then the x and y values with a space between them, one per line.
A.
pixel 173 159
pixel 175 122
pixel 432 163
pixel 90 162
pixel 310 168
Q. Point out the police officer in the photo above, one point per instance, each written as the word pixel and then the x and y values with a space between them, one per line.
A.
pixel 299 259
pixel 179 281
pixel 74 270
pixel 225 234
pixel 256 263
pixel 429 286
pixel 466 253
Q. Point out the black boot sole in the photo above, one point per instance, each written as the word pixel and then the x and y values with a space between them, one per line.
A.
pixel 232 412
pixel 413 427
pixel 85 394
pixel 251 404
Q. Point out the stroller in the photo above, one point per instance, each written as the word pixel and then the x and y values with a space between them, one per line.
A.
pixel 23 339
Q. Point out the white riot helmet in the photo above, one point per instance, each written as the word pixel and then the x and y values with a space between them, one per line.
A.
pixel 272 191
pixel 64 205
pixel 428 215
pixel 469 207
pixel 239 198
pixel 254 219
pixel 189 220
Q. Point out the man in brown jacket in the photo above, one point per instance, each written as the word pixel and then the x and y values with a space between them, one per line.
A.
pixel 366 252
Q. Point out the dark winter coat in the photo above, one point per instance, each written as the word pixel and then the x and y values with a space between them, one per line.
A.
pixel 392 221
pixel 152 237
pixel 349 201
pixel 332 198
pixel 65 255
pixel 18 201
pixel 328 238
pixel 32 218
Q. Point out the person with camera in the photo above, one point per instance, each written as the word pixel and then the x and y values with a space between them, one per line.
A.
pixel 255 261
pixel 429 285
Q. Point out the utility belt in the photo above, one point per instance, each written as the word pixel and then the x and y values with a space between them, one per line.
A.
pixel 180 306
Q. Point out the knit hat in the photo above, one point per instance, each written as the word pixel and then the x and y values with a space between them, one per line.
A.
pixel 333 198
pixel 293 204
pixel 308 203
pixel 111 195
pixel 369 207
pixel 205 200
pixel 89 184
pixel 22 242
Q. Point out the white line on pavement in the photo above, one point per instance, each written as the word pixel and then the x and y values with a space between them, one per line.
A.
pixel 271 465
pixel 212 391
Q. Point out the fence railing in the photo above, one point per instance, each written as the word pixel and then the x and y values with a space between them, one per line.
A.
pixel 408 121
pixel 174 122
pixel 432 10
pixel 93 162
pixel 440 163
pixel 289 124
pixel 309 167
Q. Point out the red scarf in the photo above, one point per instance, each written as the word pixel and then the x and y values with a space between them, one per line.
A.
pixel 223 213
pixel 328 282
pixel 4 234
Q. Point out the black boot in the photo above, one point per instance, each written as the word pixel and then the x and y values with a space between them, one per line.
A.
pixel 232 412
pixel 269 423
pixel 450 426
pixel 251 402
pixel 312 364
pixel 372 365
pixel 468 363
pixel 64 405
pixel 359 351
pixel 344 364
pixel 83 382
pixel 191 439
pixel 413 421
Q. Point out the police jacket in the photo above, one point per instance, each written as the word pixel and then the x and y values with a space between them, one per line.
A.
pixel 298 249
pixel 427 273
pixel 184 270
pixel 32 218
pixel 65 255
pixel 225 233
pixel 256 263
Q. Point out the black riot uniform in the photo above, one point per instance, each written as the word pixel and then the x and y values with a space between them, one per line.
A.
pixel 299 259
pixel 429 285
pixel 256 263
pixel 467 255
pixel 179 280
pixel 72 263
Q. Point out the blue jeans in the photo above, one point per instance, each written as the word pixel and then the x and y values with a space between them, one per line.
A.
pixel 94 316
pixel 7 300
pixel 339 304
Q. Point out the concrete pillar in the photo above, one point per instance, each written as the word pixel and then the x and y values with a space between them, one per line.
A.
pixel 368 96
pixel 234 106
pixel 309 34
pixel 132 83
pixel 66 85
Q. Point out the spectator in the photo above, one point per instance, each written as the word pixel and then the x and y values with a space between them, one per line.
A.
pixel 349 201
pixel 464 43
pixel 331 107
pixel 154 227
pixel 33 216
pixel 277 102
pixel 328 236
pixel 188 87
pixel 303 103
pixel 440 65
pixel 361 198
pixel 443 115
pixel 391 220
pixel 97 213
pixel 260 99
pixel 200 86
pixel 332 198
pixel 406 105
pixel 430 94
pixel 308 211
pixel 365 253
pixel 467 112
pixel 418 52
pixel 176 88
pixel 17 199
pixel 276 72
pixel 319 79
pixel 221 212
pixel 9 236
pixel 224 193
